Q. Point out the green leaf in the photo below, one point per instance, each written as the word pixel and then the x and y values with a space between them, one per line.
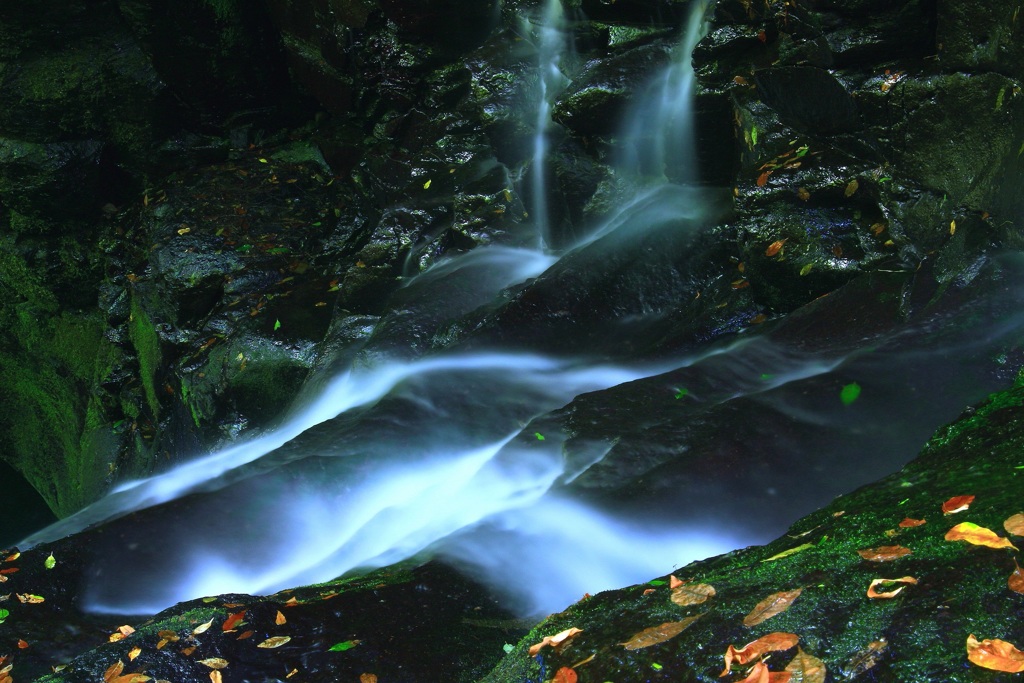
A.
pixel 278 250
pixel 50 562
pixel 277 325
pixel 426 185
pixel 753 135
pixel 657 582
pixel 806 269
pixel 3 615
pixel 682 392
pixel 540 437
pixel 508 647
pixel 342 647
pixel 850 393
pixel 999 99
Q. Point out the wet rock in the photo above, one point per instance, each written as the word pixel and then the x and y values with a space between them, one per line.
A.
pixel 54 180
pixel 808 99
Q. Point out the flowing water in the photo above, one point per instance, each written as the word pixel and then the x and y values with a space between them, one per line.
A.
pixel 399 454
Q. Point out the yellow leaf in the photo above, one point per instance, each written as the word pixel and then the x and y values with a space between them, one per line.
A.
pixel 216 677
pixel 773 642
pixel 995 654
pixel 113 671
pixel 952 227
pixel 806 668
pixel 202 628
pixel 214 662
pixel 776 603
pixel 658 634
pixel 426 185
pixel 555 640
pixel 692 593
pixel 775 247
pixel 791 551
pixel 133 653
pixel 851 188
pixel 977 535
pixel 276 641
pixel 806 269
pixel 872 593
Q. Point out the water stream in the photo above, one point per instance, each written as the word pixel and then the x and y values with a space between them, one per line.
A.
pixel 400 454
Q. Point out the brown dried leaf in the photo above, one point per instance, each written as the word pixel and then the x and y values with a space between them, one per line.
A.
pixel 555 640
pixel 803 194
pixel 692 593
pixel 113 671
pixel 851 188
pixel 957 504
pixel 658 634
pixel 1016 580
pixel 762 179
pixel 276 641
pixel 775 247
pixel 908 522
pixel 806 668
pixel 1014 524
pixel 674 583
pixel 775 603
pixel 772 642
pixel 367 678
pixel 977 535
pixel 872 593
pixel 995 654
pixel 280 619
pixel 12 557
pixel 885 553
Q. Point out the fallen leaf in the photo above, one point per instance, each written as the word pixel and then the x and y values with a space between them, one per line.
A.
pixel 692 593
pixel 872 593
pixel 1014 524
pixel 202 628
pixel 995 654
pixel 769 643
pixel 50 562
pixel 791 551
pixel 187 652
pixel 908 522
pixel 367 678
pixel 775 247
pixel 762 179
pixel 276 641
pixel 170 636
pixel 216 677
pixel 280 619
pixel 977 535
pixel 214 662
pixel 564 675
pixel 555 640
pixel 29 599
pixel 658 634
pixel 1016 580
pixel 957 504
pixel 849 393
pixel 8 571
pixel 877 228
pixel 22 644
pixel 759 673
pixel 806 668
pixel 884 553
pixel 12 558
pixel 346 645
pixel 133 653
pixel 803 194
pixel 775 603
pixel 851 188
pixel 232 620
pixel 864 659
pixel 674 583
pixel 113 671
pixel 245 635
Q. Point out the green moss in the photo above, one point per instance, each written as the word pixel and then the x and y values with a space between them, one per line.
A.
pixel 147 347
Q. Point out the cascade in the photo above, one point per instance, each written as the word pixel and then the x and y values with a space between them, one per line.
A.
pixel 399 455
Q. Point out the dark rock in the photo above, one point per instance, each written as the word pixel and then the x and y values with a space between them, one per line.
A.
pixel 808 99
pixel 54 180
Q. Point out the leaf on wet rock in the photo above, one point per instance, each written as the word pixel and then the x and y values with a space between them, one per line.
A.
pixel 343 646
pixel 1016 580
pixel 674 582
pixel 30 599
pixel 555 640
pixel 775 247
pixel 367 678
pixel 121 633
pixel 885 553
pixel 1014 524
pixel 888 592
pixel 133 653
pixel 692 593
pixel 12 557
pixel 565 675
pixel 759 673
pixel 659 634
pixel 957 504
pixel 995 654
pixel 214 662
pixel 773 642
pixel 851 188
pixel 280 619
pixel 50 562
pixel 8 571
pixel 776 603
pixel 274 642
pixel 233 620
pixel 202 628
pixel 806 668
pixel 977 535
pixel 216 677
pixel 909 523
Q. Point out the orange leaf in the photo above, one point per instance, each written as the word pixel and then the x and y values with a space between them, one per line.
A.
pixel 564 675
pixel 367 678
pixel 775 603
pixel 872 593
pixel 763 178
pixel 216 677
pixel 9 570
pixel 1016 580
pixel 658 634
pixel 113 671
pixel 232 620
pixel 957 504
pixel 674 583
pixel 12 558
pixel 770 643
pixel 692 593
pixel 1014 524
pixel 806 668
pixel 803 194
pixel 280 619
pixel 554 640
pixel 909 522
pixel 977 535
pixel 22 644
pixel 775 247
pixel 884 553
pixel 995 654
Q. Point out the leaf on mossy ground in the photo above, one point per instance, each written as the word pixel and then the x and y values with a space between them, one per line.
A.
pixel 957 504
pixel 1016 580
pixel 787 553
pixel 555 640
pixel 674 582
pixel 978 535
pixel 806 668
pixel 883 594
pixel 995 654
pixel 274 642
pixel 565 675
pixel 202 628
pixel 1014 524
pixel 773 642
pixel 759 673
pixel 885 553
pixel 233 620
pixel 658 634
pixel 909 523
pixel 692 593
pixel 775 247
pixel 776 603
